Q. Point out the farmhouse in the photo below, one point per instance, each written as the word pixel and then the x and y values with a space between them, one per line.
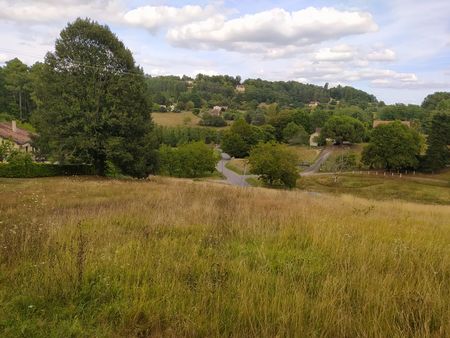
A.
pixel 217 110
pixel 20 138
pixel 313 104
pixel 240 88
pixel 377 123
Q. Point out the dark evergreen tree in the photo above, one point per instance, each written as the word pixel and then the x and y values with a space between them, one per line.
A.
pixel 438 153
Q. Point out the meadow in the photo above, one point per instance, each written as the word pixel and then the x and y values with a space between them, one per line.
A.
pixel 429 189
pixel 91 257
pixel 176 119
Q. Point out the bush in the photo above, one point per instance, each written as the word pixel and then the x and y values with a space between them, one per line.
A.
pixel 188 160
pixel 26 169
pixel 212 121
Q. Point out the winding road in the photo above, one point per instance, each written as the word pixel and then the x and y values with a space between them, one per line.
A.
pixel 236 179
pixel 314 168
pixel 232 177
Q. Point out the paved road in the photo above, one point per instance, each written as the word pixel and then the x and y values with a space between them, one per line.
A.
pixel 232 177
pixel 314 168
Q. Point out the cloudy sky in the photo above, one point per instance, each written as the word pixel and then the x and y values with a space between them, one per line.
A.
pixel 397 49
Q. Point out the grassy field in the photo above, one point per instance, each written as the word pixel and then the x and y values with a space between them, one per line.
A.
pixel 87 257
pixel 433 189
pixel 306 154
pixel 176 119
pixel 329 164
pixel 239 165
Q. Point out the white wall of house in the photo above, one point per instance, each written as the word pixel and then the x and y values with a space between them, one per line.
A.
pixel 24 147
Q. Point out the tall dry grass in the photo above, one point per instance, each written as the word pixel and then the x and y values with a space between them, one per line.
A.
pixel 90 257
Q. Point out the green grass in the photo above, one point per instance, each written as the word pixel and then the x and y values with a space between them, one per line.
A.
pixel 238 165
pixel 185 118
pixel 89 257
pixel 329 164
pixel 410 188
pixel 254 182
pixel 176 119
pixel 306 154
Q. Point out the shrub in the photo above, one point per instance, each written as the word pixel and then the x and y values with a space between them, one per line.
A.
pixel 188 160
pixel 212 121
pixel 6 149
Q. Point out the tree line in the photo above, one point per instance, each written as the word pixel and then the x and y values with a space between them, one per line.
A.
pixel 90 104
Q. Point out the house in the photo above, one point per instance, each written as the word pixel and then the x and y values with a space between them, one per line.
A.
pixel 313 104
pixel 377 123
pixel 314 138
pixel 20 138
pixel 217 110
pixel 240 88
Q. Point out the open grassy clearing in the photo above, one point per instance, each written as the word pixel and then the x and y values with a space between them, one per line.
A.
pixel 339 151
pixel 306 154
pixel 239 166
pixel 92 257
pixel 176 119
pixel 426 189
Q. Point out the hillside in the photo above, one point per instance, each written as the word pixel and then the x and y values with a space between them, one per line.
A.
pixel 96 257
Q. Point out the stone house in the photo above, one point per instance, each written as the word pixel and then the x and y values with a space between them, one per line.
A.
pixel 20 138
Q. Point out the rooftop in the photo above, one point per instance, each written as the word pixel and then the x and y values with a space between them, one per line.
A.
pixel 19 136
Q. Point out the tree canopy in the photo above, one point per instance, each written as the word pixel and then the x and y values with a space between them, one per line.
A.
pixel 187 160
pixel 275 163
pixel 438 153
pixel 343 128
pixel 393 146
pixel 92 105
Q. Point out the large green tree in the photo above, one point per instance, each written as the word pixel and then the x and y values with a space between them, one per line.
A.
pixel 275 163
pixel 438 153
pixel 17 89
pixel 92 105
pixel 431 102
pixel 240 138
pixel 343 128
pixel 393 146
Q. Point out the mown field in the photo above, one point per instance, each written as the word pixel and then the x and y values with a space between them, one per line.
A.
pixel 88 257
pixel 176 119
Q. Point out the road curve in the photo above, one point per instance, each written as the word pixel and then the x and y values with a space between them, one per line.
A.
pixel 232 177
pixel 314 168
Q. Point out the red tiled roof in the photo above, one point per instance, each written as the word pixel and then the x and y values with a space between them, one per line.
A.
pixel 21 136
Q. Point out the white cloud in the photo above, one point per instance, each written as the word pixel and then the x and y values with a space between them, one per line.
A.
pixel 154 18
pixel 3 58
pixel 382 55
pixel 273 31
pixel 319 72
pixel 337 53
pixel 27 11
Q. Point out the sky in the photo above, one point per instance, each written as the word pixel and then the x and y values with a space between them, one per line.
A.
pixel 398 50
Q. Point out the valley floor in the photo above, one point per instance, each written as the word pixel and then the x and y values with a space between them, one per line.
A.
pixel 105 258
